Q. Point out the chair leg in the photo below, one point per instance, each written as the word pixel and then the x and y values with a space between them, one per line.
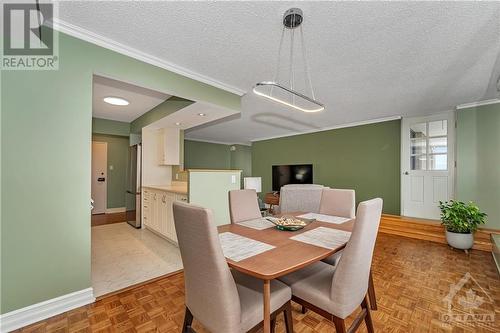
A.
pixel 339 324
pixel 273 325
pixel 304 309
pixel 368 317
pixel 371 293
pixel 288 317
pixel 188 321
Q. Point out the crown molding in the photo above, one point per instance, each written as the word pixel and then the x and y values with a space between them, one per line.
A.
pixel 358 123
pixel 476 104
pixel 91 37
pixel 219 142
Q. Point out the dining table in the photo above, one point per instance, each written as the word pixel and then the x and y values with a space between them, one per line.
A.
pixel 287 256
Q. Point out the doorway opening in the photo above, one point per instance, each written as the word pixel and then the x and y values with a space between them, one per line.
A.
pixel 122 254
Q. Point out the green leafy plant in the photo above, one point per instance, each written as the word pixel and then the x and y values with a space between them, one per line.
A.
pixel 459 217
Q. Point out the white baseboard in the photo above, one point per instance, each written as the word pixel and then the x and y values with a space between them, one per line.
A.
pixel 31 314
pixel 116 210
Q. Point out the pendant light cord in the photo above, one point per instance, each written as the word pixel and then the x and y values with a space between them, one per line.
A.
pixel 307 76
pixel 306 65
pixel 276 74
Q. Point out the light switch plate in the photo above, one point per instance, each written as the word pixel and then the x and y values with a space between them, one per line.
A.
pixel 111 167
pixel 233 179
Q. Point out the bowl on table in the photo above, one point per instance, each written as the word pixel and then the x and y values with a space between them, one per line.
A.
pixel 289 223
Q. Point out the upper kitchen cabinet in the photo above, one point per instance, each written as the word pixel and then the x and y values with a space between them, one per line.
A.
pixel 169 141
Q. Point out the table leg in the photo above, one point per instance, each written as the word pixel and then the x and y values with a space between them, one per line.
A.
pixel 267 306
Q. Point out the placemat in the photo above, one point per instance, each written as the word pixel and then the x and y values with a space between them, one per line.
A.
pixel 324 237
pixel 237 248
pixel 325 218
pixel 259 224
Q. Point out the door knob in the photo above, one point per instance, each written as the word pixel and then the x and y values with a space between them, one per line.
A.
pixel 407 173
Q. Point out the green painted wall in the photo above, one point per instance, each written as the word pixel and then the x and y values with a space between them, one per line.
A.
pixel 45 165
pixel 160 111
pixel 111 127
pixel 478 159
pixel 218 184
pixel 118 158
pixel 241 159
pixel 365 158
pixel 204 155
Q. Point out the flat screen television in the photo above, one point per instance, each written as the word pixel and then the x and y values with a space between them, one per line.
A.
pixel 292 174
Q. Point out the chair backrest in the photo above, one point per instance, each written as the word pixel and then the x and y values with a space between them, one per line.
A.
pixel 243 205
pixel 211 293
pixel 338 202
pixel 300 198
pixel 350 281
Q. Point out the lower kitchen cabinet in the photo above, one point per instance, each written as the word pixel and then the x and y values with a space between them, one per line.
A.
pixel 158 213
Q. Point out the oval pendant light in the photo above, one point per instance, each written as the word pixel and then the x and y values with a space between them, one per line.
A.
pixel 279 93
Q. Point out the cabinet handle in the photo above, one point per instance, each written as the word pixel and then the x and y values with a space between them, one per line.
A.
pixel 184 199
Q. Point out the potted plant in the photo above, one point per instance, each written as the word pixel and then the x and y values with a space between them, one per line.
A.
pixel 461 221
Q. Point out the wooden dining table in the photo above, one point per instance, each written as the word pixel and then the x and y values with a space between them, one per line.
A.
pixel 287 256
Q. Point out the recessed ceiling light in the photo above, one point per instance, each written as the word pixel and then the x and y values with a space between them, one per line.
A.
pixel 177 123
pixel 116 101
pixel 201 114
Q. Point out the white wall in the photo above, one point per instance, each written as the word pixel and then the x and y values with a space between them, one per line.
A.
pixel 152 173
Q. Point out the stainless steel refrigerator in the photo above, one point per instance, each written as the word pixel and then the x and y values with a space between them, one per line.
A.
pixel 133 194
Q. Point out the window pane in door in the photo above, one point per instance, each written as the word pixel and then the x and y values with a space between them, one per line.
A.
pixel 418 146
pixel 417 162
pixel 438 145
pixel 438 128
pixel 418 130
pixel 438 162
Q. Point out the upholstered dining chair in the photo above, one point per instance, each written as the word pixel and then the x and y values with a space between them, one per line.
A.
pixel 243 205
pixel 222 300
pixel 300 198
pixel 335 292
pixel 342 202
pixel 337 202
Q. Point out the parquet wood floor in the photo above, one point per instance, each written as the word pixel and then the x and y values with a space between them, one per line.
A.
pixel 411 279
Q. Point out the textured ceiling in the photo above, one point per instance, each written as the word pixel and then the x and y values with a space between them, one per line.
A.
pixel 368 60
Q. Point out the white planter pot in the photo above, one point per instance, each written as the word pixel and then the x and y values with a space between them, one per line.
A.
pixel 460 241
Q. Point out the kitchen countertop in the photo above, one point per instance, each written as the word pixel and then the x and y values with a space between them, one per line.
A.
pixel 178 188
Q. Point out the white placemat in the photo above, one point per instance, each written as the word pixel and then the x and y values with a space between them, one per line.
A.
pixel 325 218
pixel 259 224
pixel 237 248
pixel 324 237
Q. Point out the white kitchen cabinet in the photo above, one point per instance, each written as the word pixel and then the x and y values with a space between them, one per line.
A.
pixel 158 214
pixel 146 207
pixel 169 140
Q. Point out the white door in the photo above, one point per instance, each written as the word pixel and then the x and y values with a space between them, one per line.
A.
pixel 99 176
pixel 427 164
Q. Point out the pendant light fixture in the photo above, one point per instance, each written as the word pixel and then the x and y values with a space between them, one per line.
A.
pixel 286 94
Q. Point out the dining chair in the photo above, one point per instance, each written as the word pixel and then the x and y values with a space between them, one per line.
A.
pixel 221 299
pixel 243 205
pixel 337 202
pixel 300 198
pixel 341 202
pixel 335 292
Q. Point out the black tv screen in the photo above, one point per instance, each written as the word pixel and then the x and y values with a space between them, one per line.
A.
pixel 292 174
